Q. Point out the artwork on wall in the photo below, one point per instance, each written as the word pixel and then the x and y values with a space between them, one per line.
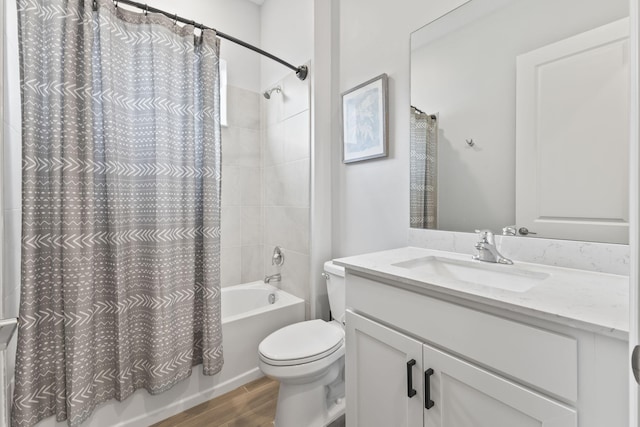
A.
pixel 365 121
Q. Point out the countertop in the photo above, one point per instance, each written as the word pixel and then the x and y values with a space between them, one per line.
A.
pixel 596 302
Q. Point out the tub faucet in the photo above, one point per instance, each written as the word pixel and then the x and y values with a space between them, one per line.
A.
pixel 487 250
pixel 275 277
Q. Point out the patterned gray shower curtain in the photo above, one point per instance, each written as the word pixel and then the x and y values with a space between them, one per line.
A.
pixel 423 171
pixel 121 207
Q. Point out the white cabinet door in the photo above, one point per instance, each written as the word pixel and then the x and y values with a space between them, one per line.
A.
pixel 465 395
pixel 382 365
pixel 572 137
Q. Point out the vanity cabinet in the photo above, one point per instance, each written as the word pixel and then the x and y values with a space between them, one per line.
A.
pixel 479 367
pixel 383 374
pixel 388 368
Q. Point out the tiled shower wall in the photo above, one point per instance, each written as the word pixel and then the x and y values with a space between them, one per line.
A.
pixel 265 186
pixel 286 163
pixel 242 200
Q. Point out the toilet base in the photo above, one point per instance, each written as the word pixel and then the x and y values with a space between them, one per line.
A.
pixel 314 404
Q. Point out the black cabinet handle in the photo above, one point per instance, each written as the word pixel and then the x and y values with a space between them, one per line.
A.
pixel 410 391
pixel 428 403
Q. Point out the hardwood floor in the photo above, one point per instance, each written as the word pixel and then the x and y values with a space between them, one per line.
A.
pixel 252 405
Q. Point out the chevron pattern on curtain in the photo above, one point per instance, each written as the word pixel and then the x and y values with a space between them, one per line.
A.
pixel 121 207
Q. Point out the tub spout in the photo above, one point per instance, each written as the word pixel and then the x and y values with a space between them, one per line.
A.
pixel 274 277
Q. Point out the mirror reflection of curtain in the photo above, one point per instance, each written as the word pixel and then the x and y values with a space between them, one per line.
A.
pixel 423 170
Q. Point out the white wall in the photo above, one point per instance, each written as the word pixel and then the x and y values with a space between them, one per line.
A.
pixel 287 32
pixel 371 199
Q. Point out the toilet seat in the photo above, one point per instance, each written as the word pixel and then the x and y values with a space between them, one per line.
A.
pixel 300 343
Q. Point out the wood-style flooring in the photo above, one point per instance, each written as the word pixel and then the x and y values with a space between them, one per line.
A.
pixel 252 405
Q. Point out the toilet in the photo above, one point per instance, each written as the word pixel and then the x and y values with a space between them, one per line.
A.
pixel 307 358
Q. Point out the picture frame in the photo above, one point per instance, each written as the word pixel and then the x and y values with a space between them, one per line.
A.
pixel 365 121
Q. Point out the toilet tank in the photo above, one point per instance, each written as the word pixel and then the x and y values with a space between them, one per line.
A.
pixel 335 290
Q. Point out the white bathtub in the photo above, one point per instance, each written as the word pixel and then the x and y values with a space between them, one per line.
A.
pixel 247 318
pixel 252 299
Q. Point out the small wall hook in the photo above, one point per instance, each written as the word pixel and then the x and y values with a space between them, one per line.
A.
pixel 470 142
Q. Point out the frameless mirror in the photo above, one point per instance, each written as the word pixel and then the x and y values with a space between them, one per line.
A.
pixel 519 119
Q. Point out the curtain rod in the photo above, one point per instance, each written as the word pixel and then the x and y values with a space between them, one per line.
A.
pixel 432 116
pixel 301 71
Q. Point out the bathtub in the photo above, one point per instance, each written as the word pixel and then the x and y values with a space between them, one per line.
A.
pixel 248 316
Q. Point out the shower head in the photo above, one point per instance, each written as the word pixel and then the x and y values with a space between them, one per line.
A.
pixel 267 94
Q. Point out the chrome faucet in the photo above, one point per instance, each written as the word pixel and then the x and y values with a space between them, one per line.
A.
pixel 275 277
pixel 487 250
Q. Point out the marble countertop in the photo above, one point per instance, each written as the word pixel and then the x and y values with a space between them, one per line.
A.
pixel 597 302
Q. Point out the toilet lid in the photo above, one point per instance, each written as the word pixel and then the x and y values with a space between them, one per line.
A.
pixel 301 342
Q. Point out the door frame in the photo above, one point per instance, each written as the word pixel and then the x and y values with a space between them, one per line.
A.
pixel 634 208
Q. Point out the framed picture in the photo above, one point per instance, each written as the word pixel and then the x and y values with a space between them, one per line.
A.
pixel 365 121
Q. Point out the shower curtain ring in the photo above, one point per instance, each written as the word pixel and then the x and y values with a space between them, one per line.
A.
pixel 175 19
pixel 116 4
pixel 146 9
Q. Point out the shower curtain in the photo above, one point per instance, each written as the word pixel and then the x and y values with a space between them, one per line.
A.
pixel 121 207
pixel 423 149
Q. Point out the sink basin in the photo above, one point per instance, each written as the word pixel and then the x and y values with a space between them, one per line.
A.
pixel 507 277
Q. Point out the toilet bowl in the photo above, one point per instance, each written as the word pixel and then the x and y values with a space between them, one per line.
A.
pixel 307 358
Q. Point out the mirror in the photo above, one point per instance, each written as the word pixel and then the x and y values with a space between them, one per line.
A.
pixel 519 119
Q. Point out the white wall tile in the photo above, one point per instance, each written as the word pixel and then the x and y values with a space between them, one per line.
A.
pixel 274 144
pixel 295 96
pixel 230 227
pixel 243 108
pixel 231 187
pixel 11 304
pixel 297 137
pixel 294 271
pixel 296 188
pixel 251 218
pixel 286 166
pixel 272 108
pixel 230 266
pixel 287 184
pixel 241 146
pixel 251 186
pixel 273 186
pixel 287 227
pixel 242 223
pixel 252 263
